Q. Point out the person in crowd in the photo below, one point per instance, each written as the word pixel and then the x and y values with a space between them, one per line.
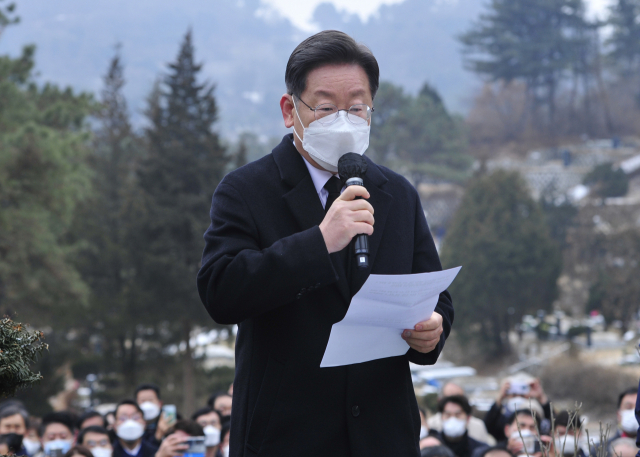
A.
pixel 79 451
pixel 11 444
pixel 148 398
pixel 627 422
pixel 225 434
pixel 522 432
pixel 57 433
pixel 455 411
pixel 476 428
pixel 209 420
pixel 436 451
pixel 221 402
pixel 623 447
pixel 493 451
pixel 91 418
pixel 31 440
pixel 14 420
pixel 129 429
pixel 568 438
pixel 97 440
pixel 174 443
pixel 517 392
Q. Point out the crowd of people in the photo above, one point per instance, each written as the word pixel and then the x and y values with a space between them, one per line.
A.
pixel 138 427
pixel 521 422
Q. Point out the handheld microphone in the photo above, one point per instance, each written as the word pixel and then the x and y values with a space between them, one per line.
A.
pixel 352 168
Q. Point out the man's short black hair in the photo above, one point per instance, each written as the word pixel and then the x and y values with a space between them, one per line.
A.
pixel 89 415
pixel 437 451
pixel 460 400
pixel 203 411
pixel 629 391
pixel 127 402
pixel 12 410
pixel 92 429
pixel 489 449
pixel 147 386
pixel 328 47
pixel 62 417
pixel 568 419
pixel 511 418
pixel 190 427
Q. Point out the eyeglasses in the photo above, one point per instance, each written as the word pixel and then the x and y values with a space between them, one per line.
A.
pixel 100 443
pixel 123 418
pixel 327 113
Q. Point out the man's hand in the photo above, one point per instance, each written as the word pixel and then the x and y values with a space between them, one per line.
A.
pixel 425 335
pixel 536 392
pixel 347 218
pixel 172 445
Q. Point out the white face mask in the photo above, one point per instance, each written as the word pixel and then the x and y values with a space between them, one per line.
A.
pixel 150 410
pixel 31 446
pixel 101 451
pixel 327 143
pixel 57 445
pixel 211 436
pixel 628 421
pixel 423 432
pixel 454 427
pixel 130 430
pixel 528 440
pixel 565 445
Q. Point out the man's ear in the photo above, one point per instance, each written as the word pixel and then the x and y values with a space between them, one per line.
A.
pixel 287 108
pixel 506 430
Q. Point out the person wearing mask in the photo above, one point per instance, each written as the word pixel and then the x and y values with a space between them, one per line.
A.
pixel 211 424
pixel 278 263
pixel 455 411
pixel 57 434
pixel 523 436
pixel 568 437
pixel 79 451
pixel 520 391
pixel 96 439
pixel 627 422
pixel 476 428
pixel 175 442
pixel 14 422
pixel 129 428
pixel 148 398
pixel 91 418
pixel 31 440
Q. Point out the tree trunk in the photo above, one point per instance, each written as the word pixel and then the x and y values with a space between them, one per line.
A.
pixel 188 406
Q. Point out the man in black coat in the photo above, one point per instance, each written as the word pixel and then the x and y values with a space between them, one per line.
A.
pixel 277 262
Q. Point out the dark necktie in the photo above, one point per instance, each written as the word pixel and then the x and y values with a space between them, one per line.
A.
pixel 333 186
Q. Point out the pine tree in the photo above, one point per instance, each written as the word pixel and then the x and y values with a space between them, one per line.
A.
pixel 510 263
pixel 107 223
pixel 185 162
pixel 625 37
pixel 537 42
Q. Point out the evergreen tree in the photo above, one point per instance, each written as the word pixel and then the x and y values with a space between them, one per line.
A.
pixel 509 262
pixel 110 262
pixel 535 41
pixel 624 41
pixel 418 134
pixel 185 161
pixel 43 145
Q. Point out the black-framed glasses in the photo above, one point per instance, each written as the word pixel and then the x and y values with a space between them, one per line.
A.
pixel 326 113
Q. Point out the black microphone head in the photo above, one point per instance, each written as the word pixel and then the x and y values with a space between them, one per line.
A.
pixel 351 165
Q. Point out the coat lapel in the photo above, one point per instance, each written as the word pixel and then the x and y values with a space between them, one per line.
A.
pixel 303 202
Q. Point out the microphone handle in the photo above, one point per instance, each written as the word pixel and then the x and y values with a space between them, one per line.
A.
pixel 361 241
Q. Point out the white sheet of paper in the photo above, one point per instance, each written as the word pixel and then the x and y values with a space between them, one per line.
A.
pixel 380 311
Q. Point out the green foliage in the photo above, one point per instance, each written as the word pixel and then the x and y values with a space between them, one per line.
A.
pixel 624 41
pixel 43 176
pixel 607 182
pixel 559 217
pixel 418 134
pixel 7 15
pixel 509 262
pixel 18 349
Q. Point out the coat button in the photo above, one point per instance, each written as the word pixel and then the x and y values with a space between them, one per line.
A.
pixel 355 411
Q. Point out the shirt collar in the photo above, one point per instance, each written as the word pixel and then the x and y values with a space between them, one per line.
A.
pixel 319 177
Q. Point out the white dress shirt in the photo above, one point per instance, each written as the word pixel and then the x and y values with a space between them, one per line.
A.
pixel 320 178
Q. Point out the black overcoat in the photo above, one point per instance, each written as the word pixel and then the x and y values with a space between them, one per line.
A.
pixel 266 268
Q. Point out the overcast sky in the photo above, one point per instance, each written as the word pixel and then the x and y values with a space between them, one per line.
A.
pixel 300 12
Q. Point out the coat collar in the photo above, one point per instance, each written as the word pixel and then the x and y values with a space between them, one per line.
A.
pixel 306 208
